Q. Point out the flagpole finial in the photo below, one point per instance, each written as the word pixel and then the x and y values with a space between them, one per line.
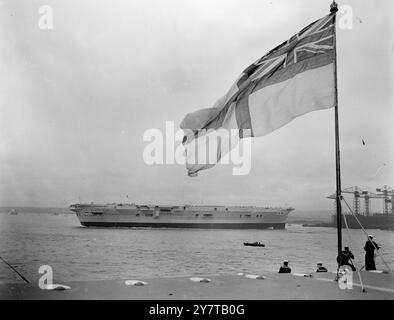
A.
pixel 333 7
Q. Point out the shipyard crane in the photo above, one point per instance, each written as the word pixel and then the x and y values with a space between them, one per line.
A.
pixel 333 197
pixel 386 192
pixel 359 193
pixel 356 191
pixel 367 200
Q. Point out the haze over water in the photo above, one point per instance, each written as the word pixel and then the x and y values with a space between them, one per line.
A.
pixel 28 241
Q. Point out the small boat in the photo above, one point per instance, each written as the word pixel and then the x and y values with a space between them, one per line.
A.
pixel 254 244
pixel 13 212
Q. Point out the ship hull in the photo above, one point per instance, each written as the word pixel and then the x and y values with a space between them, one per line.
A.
pixel 376 221
pixel 204 217
pixel 213 225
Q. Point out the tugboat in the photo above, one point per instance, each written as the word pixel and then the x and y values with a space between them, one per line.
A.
pixel 254 244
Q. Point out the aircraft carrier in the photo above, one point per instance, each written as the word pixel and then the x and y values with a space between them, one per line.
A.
pixel 186 216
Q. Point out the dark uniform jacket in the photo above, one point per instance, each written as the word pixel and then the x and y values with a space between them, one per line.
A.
pixel 284 269
pixel 345 257
pixel 321 269
pixel 370 248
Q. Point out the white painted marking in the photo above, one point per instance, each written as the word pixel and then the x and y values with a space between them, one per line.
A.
pixel 58 287
pixel 196 279
pixel 325 279
pixel 135 283
pixel 254 276
pixel 306 275
pixel 366 286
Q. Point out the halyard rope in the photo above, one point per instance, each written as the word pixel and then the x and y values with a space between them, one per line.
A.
pixel 358 221
pixel 14 270
pixel 354 262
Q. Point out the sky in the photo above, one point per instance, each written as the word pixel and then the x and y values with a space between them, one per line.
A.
pixel 76 100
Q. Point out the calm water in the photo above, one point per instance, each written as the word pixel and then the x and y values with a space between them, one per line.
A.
pixel 28 241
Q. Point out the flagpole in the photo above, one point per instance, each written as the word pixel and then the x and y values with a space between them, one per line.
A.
pixel 334 10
